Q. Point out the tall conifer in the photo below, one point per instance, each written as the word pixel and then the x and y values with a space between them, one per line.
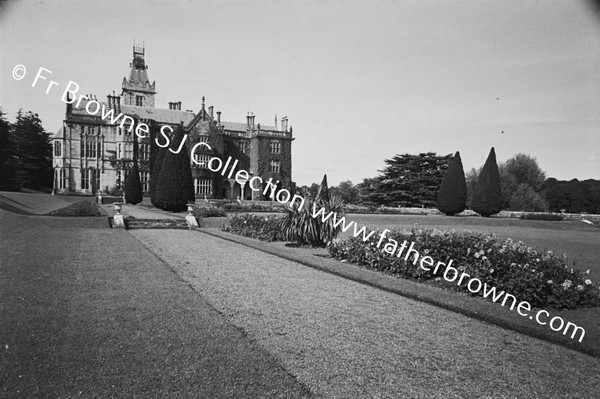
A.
pixel 487 193
pixel 452 195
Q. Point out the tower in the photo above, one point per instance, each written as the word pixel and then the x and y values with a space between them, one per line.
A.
pixel 137 90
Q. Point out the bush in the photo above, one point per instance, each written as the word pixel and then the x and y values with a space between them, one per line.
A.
pixel 299 225
pixel 253 207
pixel 133 187
pixel 542 216
pixel 154 174
pixel 113 191
pixel 81 208
pixel 208 212
pixel 175 187
pixel 452 195
pixel 262 228
pixel 542 279
pixel 486 195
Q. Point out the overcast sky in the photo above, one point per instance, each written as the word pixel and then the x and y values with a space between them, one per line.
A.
pixel 360 81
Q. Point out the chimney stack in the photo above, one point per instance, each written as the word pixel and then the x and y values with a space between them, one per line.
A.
pixel 219 117
pixel 284 124
pixel 210 111
pixel 276 122
pixel 179 105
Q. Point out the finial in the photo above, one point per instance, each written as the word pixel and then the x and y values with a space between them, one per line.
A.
pixel 203 102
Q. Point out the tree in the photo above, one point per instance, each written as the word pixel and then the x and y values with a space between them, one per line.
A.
pixel 323 192
pixel 408 180
pixel 347 191
pixel 471 179
pixel 30 158
pixel 526 199
pixel 452 195
pixel 175 186
pixel 6 155
pixel 133 186
pixel 487 194
pixel 521 169
pixel 155 173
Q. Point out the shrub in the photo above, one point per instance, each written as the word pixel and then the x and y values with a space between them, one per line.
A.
pixel 526 199
pixel 542 279
pixel 114 191
pixel 253 207
pixel 262 228
pixel 208 211
pixel 175 187
pixel 299 225
pixel 80 208
pixel 486 194
pixel 154 174
pixel 542 216
pixel 452 195
pixel 133 187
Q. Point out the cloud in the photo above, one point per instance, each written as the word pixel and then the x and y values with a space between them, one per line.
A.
pixel 591 158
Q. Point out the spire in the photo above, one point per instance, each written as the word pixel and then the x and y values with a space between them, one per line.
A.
pixel 137 89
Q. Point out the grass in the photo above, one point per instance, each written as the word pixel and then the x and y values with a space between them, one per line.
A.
pixel 80 208
pixel 88 312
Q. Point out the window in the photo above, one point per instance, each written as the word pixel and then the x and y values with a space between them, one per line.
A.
pixel 128 150
pixel 62 179
pixel 203 186
pixel 275 146
pixel 57 149
pixel 244 147
pixel 144 152
pixel 203 139
pixel 91 148
pixel 274 166
pixel 144 178
pixel 139 101
pixel 85 179
pixel 120 151
pixel 202 158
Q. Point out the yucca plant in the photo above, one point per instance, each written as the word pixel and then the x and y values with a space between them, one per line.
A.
pixel 300 226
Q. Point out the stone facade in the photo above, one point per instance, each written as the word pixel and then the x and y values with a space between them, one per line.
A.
pixel 93 153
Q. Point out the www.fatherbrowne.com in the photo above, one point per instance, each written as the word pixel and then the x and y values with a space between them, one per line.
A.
pixel 451 274
pixel 283 196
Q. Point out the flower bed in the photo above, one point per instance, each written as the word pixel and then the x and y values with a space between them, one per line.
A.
pixel 208 211
pixel 542 216
pixel 543 279
pixel 262 228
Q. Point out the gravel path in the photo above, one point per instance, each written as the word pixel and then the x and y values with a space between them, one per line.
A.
pixel 347 340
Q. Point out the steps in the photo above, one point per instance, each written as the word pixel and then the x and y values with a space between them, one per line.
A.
pixel 179 224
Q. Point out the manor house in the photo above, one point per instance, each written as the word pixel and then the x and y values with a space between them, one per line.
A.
pixel 93 155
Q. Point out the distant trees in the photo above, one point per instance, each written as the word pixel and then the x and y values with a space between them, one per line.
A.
pixel 25 153
pixel 521 180
pixel 407 180
pixel 348 192
pixel 486 199
pixel 573 196
pixel 452 195
pixel 175 187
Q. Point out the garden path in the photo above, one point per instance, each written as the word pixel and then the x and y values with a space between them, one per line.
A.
pixel 345 339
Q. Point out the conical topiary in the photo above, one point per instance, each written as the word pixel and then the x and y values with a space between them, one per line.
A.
pixel 487 197
pixel 133 186
pixel 175 186
pixel 160 156
pixel 452 195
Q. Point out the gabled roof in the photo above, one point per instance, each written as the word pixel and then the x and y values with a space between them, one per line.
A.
pixel 242 127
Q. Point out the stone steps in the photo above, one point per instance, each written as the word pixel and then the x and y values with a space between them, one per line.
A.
pixel 179 224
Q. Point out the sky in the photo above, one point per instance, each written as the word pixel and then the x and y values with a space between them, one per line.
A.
pixel 360 81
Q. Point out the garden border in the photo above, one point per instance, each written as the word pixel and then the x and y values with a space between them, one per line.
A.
pixel 473 307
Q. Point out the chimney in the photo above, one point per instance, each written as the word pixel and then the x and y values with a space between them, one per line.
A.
pixel 276 122
pixel 202 103
pixel 210 111
pixel 219 117
pixel 179 105
pixel 284 124
pixel 248 120
pixel 170 105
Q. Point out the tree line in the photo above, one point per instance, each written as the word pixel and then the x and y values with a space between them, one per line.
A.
pixel 418 181
pixel 25 153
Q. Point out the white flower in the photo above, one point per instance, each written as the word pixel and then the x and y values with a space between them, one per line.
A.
pixel 588 281
pixel 579 288
pixel 567 284
pixel 477 255
pixel 587 271
pixel 550 282
pixel 484 258
pixel 491 270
